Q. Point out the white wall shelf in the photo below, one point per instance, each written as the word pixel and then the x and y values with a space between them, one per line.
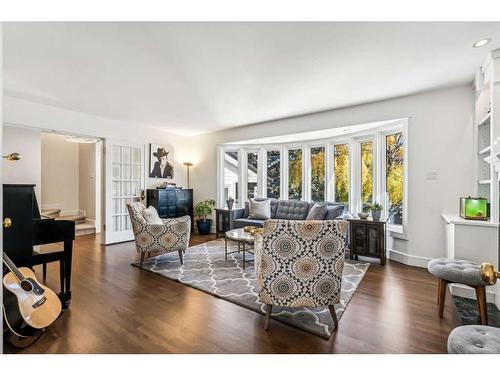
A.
pixel 485 150
pixel 476 241
pixel 485 120
pixel 484 182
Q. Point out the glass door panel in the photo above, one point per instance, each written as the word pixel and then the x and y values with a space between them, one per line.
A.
pixel 124 182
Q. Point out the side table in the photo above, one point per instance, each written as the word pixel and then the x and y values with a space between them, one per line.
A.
pixel 224 219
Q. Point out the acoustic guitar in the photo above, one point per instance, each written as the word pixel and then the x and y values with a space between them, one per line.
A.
pixel 28 306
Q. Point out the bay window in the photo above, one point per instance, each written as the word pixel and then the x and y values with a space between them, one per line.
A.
pixel 394 177
pixel 252 165
pixel 231 176
pixel 341 173
pixel 273 174
pixel 295 174
pixel 318 174
pixel 366 162
pixel 357 170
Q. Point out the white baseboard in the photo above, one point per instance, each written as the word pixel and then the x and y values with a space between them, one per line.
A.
pixel 455 289
pixel 408 259
pixel 468 292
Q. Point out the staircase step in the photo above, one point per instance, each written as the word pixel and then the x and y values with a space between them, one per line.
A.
pixel 78 219
pixel 82 229
pixel 51 212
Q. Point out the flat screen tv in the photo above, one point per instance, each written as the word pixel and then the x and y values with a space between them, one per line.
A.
pixel 474 208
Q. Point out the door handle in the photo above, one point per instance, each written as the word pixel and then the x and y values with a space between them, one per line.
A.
pixel 7 222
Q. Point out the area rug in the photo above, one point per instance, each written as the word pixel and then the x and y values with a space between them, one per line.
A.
pixel 205 269
pixel 469 313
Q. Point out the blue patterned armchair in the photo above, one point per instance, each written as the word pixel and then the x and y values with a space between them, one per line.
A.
pixel 172 235
pixel 300 263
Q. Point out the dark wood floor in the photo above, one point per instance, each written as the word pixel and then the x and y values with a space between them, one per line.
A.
pixel 117 308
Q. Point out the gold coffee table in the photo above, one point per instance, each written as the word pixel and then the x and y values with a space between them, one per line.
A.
pixel 245 242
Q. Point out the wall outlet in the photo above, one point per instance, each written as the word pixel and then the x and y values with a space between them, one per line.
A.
pixel 431 175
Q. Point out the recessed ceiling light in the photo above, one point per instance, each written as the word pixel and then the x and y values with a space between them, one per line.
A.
pixel 481 43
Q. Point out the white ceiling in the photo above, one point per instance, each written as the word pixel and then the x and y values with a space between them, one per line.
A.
pixel 192 78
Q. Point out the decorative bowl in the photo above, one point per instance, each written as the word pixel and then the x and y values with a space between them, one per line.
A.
pixel 363 215
pixel 250 229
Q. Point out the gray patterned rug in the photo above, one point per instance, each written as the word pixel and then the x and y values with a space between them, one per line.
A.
pixel 205 269
pixel 469 313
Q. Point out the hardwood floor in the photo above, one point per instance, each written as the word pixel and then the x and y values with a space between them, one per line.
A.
pixel 117 308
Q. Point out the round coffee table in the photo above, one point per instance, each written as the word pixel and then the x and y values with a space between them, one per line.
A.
pixel 244 240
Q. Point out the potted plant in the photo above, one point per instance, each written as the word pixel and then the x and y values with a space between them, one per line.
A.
pixel 376 209
pixel 202 211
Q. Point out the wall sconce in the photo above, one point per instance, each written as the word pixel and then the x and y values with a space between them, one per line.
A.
pixel 187 165
pixel 15 156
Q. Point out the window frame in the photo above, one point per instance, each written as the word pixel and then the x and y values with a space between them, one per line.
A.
pixel 265 150
pixel 357 170
pixel 331 185
pixel 353 142
pixel 309 170
pixel 398 229
pixel 292 147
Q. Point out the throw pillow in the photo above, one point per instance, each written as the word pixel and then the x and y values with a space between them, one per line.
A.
pixel 151 216
pixel 317 212
pixel 260 210
pixel 334 211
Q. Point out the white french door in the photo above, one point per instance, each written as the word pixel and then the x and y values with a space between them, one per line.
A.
pixel 124 166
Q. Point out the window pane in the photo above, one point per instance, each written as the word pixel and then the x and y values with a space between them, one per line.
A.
pixel 341 173
pixel 366 172
pixel 294 174
pixel 394 177
pixel 231 176
pixel 318 174
pixel 273 174
pixel 252 162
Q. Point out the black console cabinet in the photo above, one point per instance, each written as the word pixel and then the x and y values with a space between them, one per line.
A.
pixel 172 203
pixel 367 238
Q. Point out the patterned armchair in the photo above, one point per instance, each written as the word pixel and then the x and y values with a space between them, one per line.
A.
pixel 300 263
pixel 172 235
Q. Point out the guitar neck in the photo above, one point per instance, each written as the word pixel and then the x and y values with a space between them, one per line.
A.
pixel 12 267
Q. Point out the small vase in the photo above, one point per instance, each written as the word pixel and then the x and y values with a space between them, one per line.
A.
pixel 376 215
pixel 230 203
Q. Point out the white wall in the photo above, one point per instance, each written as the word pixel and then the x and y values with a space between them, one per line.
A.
pixel 60 173
pixel 87 180
pixel 440 139
pixel 45 117
pixel 28 169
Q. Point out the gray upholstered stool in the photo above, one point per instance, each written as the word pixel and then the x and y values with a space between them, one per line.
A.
pixel 460 272
pixel 474 340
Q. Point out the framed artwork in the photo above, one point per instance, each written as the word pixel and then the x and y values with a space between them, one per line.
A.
pixel 161 161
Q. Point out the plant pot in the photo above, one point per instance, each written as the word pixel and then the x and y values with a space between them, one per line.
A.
pixel 204 226
pixel 376 214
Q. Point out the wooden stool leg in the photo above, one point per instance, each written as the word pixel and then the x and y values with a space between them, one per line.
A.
pixel 481 304
pixel 44 271
pixel 441 295
pixel 269 309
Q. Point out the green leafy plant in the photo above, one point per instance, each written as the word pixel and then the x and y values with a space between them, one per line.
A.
pixel 376 207
pixel 204 209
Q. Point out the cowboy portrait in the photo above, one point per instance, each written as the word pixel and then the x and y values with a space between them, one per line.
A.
pixel 162 168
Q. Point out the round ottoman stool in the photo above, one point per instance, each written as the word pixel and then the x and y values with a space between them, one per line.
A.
pixel 474 340
pixel 460 272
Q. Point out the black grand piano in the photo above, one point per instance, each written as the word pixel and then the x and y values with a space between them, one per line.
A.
pixel 28 228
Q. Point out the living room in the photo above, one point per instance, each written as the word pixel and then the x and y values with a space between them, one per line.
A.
pixel 263 187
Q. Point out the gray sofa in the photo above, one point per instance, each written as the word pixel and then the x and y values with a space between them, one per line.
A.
pixel 287 210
